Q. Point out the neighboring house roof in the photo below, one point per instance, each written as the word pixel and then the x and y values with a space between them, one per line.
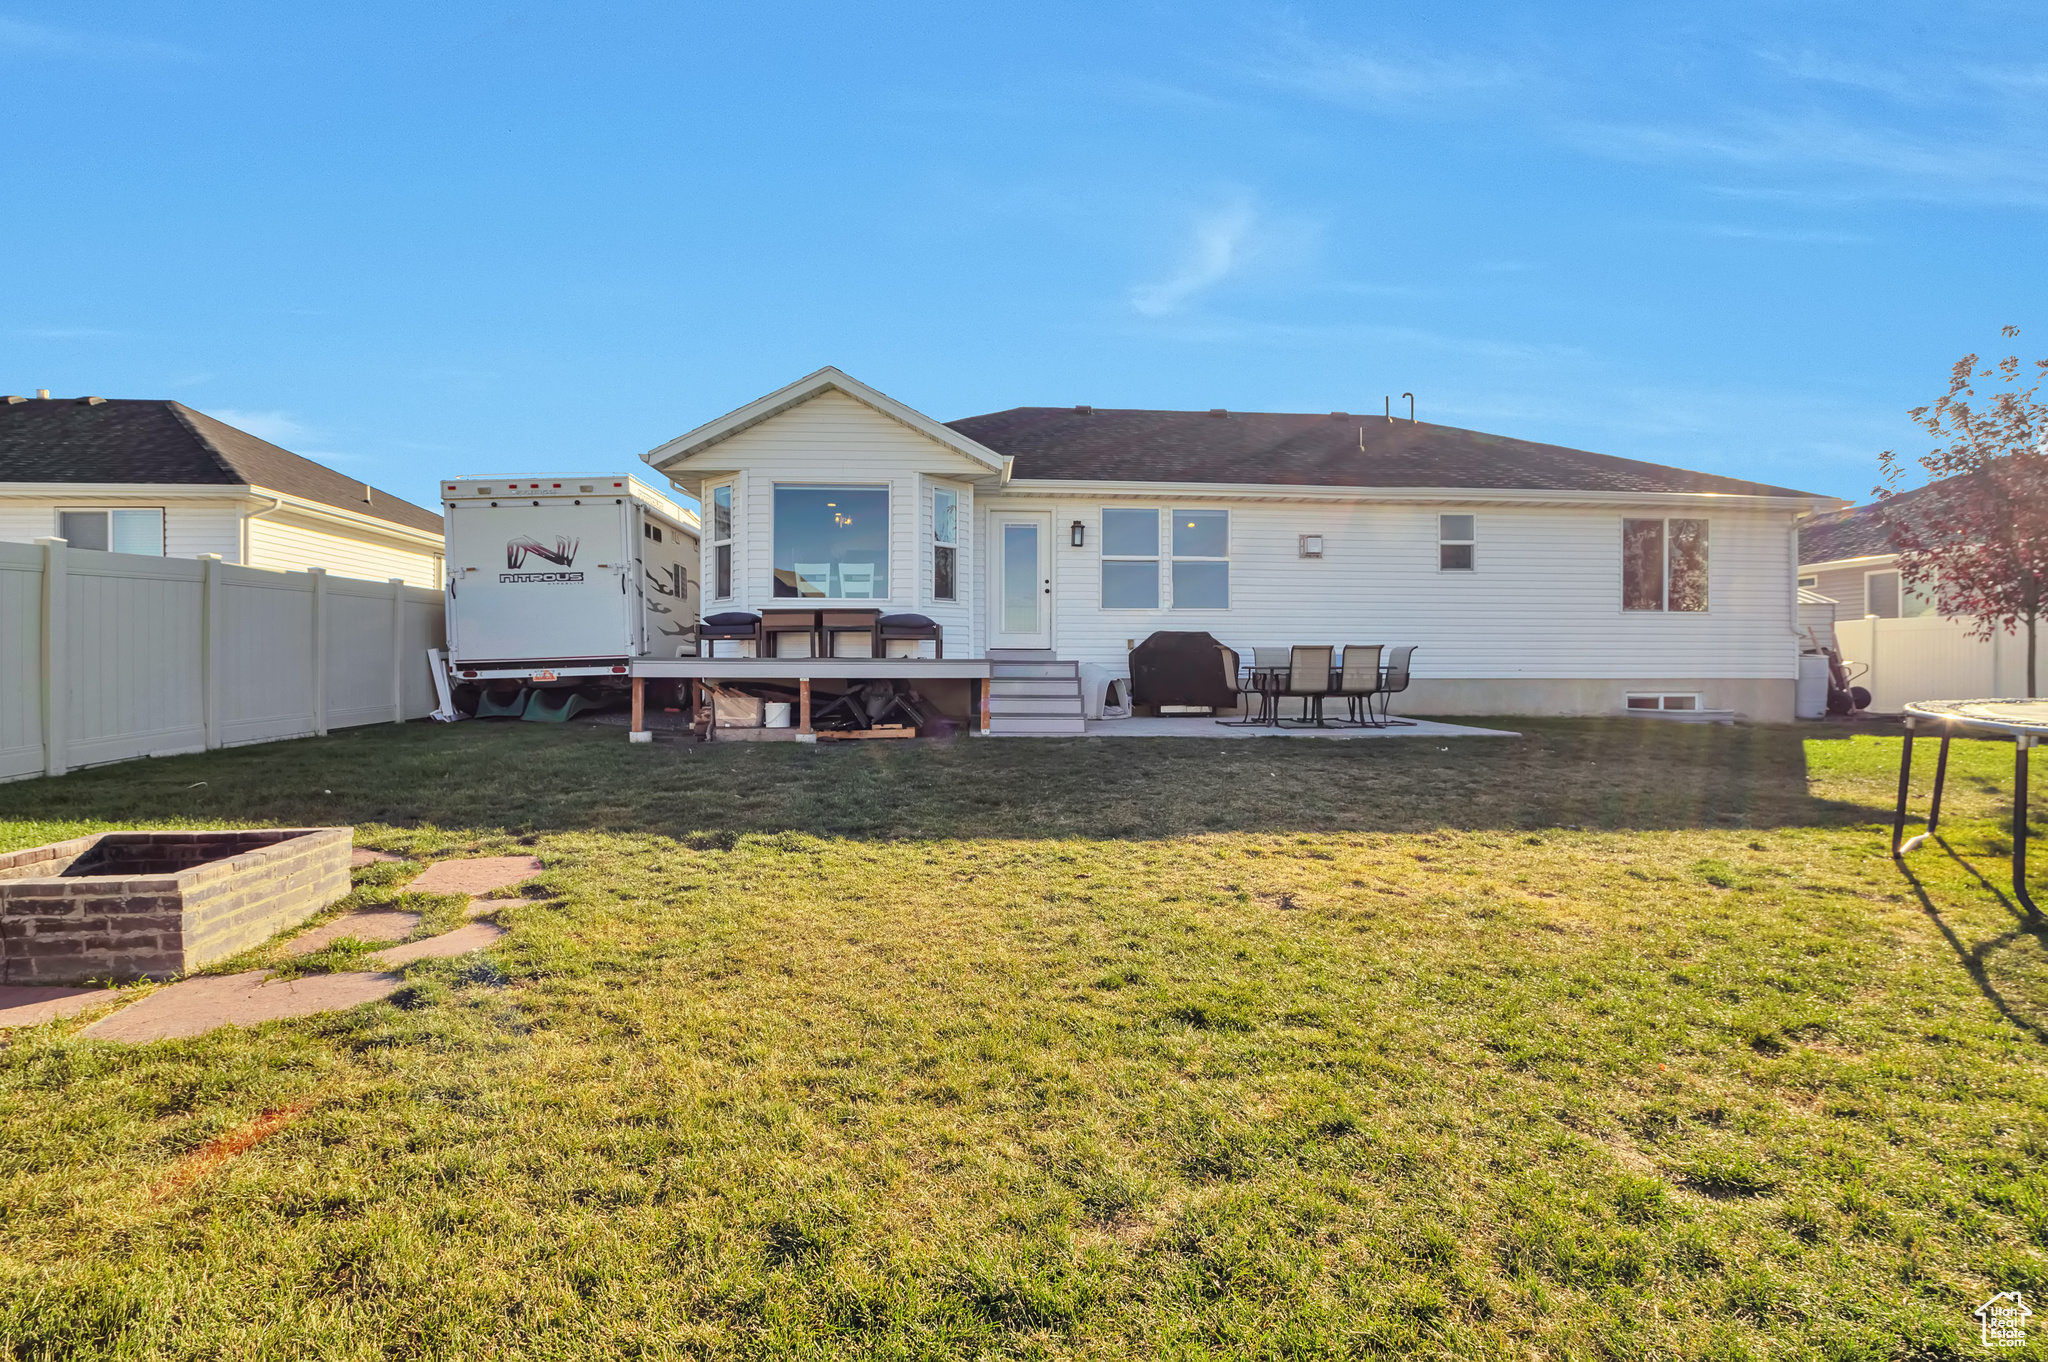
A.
pixel 1317 449
pixel 132 440
pixel 1859 531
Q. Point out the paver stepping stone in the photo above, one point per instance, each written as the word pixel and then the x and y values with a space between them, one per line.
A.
pixel 34 1004
pixel 461 941
pixel 362 856
pixel 196 1006
pixel 377 924
pixel 478 876
pixel 479 907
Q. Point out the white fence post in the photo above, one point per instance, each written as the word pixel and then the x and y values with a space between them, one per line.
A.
pixel 55 710
pixel 211 623
pixel 320 624
pixel 397 650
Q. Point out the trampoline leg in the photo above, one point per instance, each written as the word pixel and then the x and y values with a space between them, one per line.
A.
pixel 2019 824
pixel 1905 778
pixel 1940 775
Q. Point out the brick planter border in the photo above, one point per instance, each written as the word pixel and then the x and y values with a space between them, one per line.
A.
pixel 130 905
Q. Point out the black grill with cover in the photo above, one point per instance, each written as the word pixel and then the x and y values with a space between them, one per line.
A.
pixel 1185 668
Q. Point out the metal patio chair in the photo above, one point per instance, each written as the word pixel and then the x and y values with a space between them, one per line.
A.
pixel 1308 680
pixel 1359 681
pixel 1394 680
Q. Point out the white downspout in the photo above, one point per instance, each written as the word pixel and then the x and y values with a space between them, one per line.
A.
pixel 276 504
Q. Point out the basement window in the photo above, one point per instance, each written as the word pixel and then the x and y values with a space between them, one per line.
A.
pixel 1663 701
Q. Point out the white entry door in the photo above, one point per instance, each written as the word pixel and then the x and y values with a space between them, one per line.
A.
pixel 1020 589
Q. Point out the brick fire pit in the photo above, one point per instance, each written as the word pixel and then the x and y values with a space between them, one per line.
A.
pixel 128 905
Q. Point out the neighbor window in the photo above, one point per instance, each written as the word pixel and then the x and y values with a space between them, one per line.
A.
pixel 721 541
pixel 1130 560
pixel 127 529
pixel 1664 565
pixel 1809 582
pixel 1454 543
pixel 1201 560
pixel 945 543
pixel 832 543
pixel 1888 596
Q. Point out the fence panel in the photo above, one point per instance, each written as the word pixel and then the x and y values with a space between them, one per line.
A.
pixel 1933 658
pixel 21 660
pixel 106 657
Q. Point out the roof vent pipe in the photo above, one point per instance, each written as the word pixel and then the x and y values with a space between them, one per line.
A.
pixel 1411 407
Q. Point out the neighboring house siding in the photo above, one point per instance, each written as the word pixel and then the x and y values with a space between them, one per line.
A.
pixel 289 544
pixel 1845 585
pixel 190 528
pixel 832 438
pixel 1543 602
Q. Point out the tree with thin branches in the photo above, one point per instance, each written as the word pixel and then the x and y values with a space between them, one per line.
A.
pixel 1976 540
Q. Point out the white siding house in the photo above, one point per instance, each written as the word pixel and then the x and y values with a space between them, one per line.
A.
pixel 1502 560
pixel 160 479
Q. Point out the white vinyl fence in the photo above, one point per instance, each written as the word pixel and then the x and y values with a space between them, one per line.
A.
pixel 1935 658
pixel 111 656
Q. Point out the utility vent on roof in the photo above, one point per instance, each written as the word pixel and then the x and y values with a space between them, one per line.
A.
pixel 1084 411
pixel 92 401
pixel 1340 416
pixel 1219 411
pixel 11 399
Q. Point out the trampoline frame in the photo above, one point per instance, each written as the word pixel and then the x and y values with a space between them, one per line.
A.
pixel 1952 715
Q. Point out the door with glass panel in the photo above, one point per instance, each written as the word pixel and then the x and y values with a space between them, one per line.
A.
pixel 1020 588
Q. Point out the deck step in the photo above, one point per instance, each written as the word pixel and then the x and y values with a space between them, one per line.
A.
pixel 1008 671
pixel 1063 706
pixel 1037 727
pixel 1022 655
pixel 1010 685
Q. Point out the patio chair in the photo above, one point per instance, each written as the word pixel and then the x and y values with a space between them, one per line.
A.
pixel 1360 681
pixel 780 629
pixel 735 627
pixel 1394 680
pixel 1308 680
pixel 850 633
pixel 916 628
pixel 813 579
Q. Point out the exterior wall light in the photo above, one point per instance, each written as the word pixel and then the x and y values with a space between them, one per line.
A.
pixel 1310 546
pixel 1078 535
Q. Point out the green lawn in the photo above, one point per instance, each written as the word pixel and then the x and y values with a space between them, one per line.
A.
pixel 1617 1040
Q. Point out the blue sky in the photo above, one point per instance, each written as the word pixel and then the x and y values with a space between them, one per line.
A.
pixel 414 241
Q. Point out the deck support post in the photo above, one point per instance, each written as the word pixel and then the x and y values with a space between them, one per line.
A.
pixel 639 733
pixel 803 694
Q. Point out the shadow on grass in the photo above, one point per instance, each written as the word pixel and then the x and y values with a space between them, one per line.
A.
pixel 1975 959
pixel 523 778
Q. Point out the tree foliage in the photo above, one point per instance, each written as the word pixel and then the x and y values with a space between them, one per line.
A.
pixel 1976 538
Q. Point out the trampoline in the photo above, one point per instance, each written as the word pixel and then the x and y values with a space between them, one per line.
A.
pixel 2024 721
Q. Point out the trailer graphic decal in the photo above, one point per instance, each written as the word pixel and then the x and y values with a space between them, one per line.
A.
pixel 563 554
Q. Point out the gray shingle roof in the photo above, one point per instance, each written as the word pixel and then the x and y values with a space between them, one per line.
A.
pixel 145 440
pixel 1859 532
pixel 1316 449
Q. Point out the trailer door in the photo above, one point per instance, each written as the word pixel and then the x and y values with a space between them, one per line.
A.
pixel 548 582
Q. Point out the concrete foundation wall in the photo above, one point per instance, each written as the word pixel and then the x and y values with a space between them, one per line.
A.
pixel 1766 701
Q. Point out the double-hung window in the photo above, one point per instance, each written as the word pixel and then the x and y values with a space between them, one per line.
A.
pixel 122 529
pixel 1130 559
pixel 1664 565
pixel 1889 596
pixel 721 541
pixel 945 544
pixel 1455 543
pixel 1201 560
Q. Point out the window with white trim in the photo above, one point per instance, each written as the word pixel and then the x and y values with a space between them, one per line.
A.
pixel 1888 595
pixel 945 544
pixel 1201 560
pixel 1130 559
pixel 1663 700
pixel 721 542
pixel 118 529
pixel 1664 565
pixel 1455 543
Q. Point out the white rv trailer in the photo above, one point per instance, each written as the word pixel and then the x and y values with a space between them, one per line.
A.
pixel 560 575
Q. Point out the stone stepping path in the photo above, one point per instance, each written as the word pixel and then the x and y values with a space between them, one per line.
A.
pixel 197 1006
pixel 362 856
pixel 479 876
pixel 374 924
pixel 34 1004
pixel 475 937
